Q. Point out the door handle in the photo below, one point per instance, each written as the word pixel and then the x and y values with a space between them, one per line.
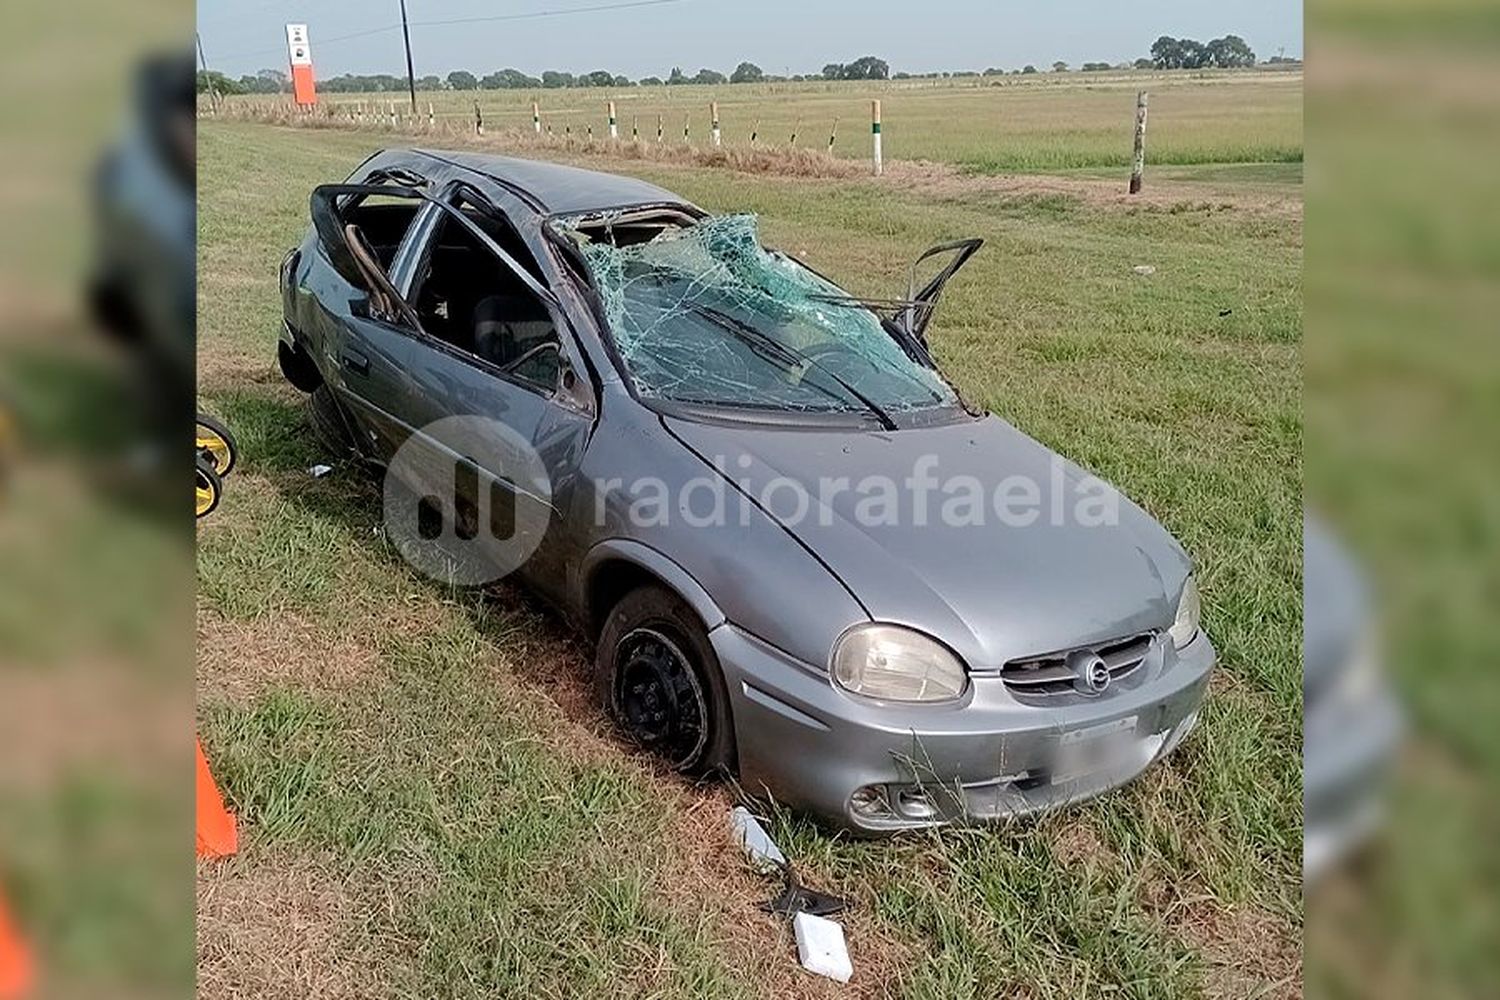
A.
pixel 355 362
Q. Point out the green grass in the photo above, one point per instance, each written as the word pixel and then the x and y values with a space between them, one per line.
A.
pixel 463 796
pixel 1036 124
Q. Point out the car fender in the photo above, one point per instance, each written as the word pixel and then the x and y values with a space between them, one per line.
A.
pixel 645 557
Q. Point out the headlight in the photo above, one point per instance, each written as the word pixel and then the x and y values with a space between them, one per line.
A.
pixel 1189 610
pixel 896 664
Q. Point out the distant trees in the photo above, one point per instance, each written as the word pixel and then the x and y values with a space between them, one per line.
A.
pixel 509 79
pixel 747 72
pixel 1059 67
pixel 213 80
pixel 1028 68
pixel 1229 52
pixel 863 68
pixel 269 81
pixel 1096 67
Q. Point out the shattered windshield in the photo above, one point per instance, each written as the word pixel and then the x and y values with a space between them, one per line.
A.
pixel 704 314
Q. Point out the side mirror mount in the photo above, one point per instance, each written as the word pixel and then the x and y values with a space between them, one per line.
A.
pixel 916 312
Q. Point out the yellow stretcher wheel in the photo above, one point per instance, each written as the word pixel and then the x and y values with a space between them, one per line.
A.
pixel 209 488
pixel 215 445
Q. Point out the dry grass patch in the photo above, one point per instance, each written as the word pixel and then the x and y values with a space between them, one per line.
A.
pixel 277 926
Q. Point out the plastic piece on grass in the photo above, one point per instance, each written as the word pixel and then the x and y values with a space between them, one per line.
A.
pixel 319 471
pixel 218 837
pixel 820 947
pixel 15 960
pixel 1144 269
pixel 796 898
pixel 753 839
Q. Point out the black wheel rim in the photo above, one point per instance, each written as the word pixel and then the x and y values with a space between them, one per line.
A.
pixel 658 697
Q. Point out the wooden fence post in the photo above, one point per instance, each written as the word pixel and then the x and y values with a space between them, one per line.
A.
pixel 614 130
pixel 713 115
pixel 536 118
pixel 635 128
pixel 1138 160
pixel 876 140
pixel 659 133
pixel 833 136
pixel 687 128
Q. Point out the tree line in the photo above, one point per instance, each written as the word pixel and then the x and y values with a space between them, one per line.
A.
pixel 1229 52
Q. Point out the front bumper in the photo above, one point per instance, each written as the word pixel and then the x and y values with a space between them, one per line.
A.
pixel 986 757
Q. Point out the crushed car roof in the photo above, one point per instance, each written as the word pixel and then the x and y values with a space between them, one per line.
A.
pixel 561 190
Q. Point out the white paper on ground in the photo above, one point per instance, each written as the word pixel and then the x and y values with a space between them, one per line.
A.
pixel 754 840
pixel 820 947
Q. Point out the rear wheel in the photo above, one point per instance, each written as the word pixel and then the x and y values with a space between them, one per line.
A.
pixel 328 422
pixel 657 677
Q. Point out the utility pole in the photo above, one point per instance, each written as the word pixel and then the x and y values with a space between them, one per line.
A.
pixel 411 80
pixel 213 98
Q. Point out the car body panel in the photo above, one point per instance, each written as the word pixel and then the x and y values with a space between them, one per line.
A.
pixel 994 593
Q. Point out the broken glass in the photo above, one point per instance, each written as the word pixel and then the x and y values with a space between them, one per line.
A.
pixel 704 314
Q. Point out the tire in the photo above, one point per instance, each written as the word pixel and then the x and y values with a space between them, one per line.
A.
pixel 676 704
pixel 327 421
pixel 209 489
pixel 216 445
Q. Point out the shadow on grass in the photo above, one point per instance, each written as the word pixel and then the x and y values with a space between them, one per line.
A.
pixel 277 443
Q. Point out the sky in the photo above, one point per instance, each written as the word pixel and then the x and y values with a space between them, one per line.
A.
pixel 780 36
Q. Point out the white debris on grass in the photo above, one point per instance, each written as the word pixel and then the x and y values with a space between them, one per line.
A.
pixel 1144 269
pixel 319 471
pixel 753 839
pixel 820 947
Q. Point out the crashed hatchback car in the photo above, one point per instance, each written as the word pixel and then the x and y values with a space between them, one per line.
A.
pixel 804 559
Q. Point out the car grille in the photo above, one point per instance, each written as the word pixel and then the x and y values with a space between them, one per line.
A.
pixel 1050 674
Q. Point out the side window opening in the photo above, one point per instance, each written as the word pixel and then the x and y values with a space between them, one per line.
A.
pixel 469 298
pixel 384 221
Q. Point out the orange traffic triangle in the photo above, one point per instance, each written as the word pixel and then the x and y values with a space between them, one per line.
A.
pixel 217 835
pixel 15 961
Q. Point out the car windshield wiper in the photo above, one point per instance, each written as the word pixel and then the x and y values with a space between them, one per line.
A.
pixel 791 356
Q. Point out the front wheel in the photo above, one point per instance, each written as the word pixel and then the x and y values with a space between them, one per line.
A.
pixel 657 677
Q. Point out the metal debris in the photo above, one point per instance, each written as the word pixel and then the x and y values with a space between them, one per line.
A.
pixel 797 898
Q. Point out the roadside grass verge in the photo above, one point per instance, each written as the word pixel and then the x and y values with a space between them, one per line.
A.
pixel 434 753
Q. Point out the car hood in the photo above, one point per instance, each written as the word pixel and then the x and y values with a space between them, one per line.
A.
pixel 987 586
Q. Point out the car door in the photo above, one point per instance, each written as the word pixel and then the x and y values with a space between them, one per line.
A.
pixel 552 417
pixel 370 334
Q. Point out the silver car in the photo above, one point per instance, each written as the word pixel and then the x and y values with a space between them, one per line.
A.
pixel 805 561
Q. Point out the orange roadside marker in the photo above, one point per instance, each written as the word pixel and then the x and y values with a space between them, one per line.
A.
pixel 217 835
pixel 15 961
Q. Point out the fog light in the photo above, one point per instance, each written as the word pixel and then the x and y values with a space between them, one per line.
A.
pixel 914 804
pixel 870 801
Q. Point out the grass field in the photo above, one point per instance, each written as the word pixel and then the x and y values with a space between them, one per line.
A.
pixel 1045 123
pixel 433 807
